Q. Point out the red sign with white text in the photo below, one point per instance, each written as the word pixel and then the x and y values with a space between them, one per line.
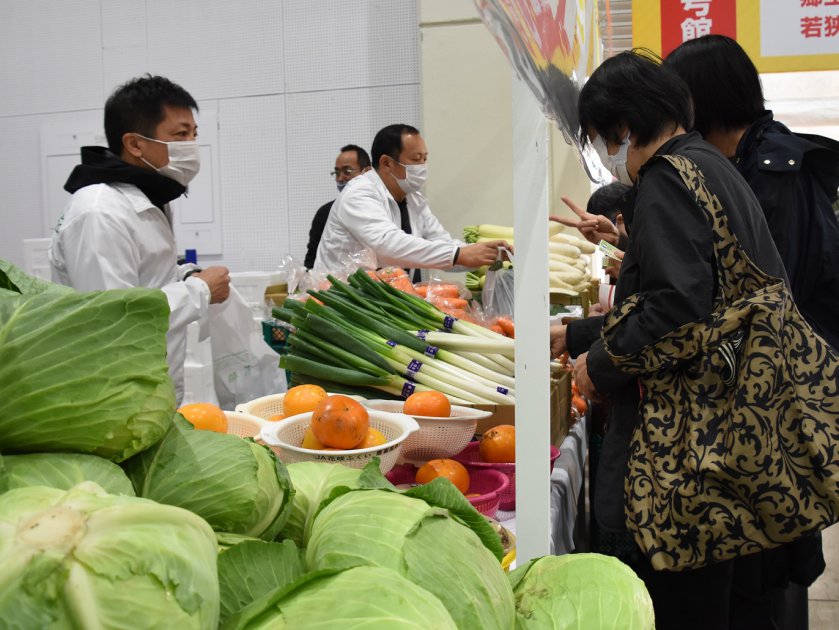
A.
pixel 682 20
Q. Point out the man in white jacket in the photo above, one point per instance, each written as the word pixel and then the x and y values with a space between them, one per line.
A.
pixel 383 212
pixel 116 231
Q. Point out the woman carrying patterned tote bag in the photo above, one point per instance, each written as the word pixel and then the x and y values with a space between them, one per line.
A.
pixel 636 115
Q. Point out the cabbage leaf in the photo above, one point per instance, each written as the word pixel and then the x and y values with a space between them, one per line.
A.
pixel 581 590
pixel 422 542
pixel 86 559
pixel 83 372
pixel 236 485
pixel 65 470
pixel 250 569
pixel 359 597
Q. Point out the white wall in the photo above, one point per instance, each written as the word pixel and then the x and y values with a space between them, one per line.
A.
pixel 292 81
pixel 468 123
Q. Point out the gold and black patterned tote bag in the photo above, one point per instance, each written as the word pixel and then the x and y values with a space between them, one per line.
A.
pixel 738 447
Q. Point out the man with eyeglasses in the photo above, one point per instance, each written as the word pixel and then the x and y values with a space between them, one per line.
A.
pixel 351 162
pixel 384 213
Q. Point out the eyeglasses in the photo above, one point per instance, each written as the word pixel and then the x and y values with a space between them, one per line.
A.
pixel 346 172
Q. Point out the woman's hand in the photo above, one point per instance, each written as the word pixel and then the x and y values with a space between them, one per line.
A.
pixel 581 377
pixel 593 227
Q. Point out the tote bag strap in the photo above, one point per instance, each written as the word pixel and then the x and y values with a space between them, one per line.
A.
pixel 739 280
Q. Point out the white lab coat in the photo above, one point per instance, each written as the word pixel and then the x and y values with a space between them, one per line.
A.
pixel 112 237
pixel 365 216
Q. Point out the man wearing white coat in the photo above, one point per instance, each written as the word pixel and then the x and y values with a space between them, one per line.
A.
pixel 384 212
pixel 116 231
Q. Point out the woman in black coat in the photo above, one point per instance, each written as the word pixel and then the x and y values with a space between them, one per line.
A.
pixel 633 111
pixel 795 178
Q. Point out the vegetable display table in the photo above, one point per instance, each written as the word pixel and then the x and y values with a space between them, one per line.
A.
pixel 567 493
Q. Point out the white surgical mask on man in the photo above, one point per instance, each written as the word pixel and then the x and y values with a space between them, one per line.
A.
pixel 184 160
pixel 415 177
pixel 616 164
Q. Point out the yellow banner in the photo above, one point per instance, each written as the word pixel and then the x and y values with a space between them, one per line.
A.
pixel 778 35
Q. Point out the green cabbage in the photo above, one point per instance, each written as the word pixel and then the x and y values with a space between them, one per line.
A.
pixel 313 482
pixel 360 598
pixel 422 542
pixel 237 486
pixel 82 372
pixel 65 470
pixel 582 590
pixel 250 569
pixel 87 559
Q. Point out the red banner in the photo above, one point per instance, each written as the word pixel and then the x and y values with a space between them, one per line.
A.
pixel 682 20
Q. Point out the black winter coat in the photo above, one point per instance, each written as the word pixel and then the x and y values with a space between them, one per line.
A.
pixel 795 178
pixel 670 259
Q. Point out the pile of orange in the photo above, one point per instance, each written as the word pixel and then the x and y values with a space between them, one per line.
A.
pixel 340 423
pixel 430 403
pixel 446 468
pixel 498 445
pixel 205 416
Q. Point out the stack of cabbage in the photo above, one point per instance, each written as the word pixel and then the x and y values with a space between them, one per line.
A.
pixel 569 272
pixel 87 400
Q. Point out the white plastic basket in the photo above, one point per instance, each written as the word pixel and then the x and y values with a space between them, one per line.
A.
pixel 285 436
pixel 271 405
pixel 243 424
pixel 437 437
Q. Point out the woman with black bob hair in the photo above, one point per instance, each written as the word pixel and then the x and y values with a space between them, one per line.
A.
pixel 636 114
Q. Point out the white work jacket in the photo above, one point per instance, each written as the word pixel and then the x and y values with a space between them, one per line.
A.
pixel 365 216
pixel 112 237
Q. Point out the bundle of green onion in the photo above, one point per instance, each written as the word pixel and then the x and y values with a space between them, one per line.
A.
pixel 366 335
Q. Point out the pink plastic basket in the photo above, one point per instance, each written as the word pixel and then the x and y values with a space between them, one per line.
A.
pixel 471 458
pixel 488 484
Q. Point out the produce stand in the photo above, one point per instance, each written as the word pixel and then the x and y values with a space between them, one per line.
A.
pixel 568 487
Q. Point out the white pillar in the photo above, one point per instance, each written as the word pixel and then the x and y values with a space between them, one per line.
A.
pixel 531 158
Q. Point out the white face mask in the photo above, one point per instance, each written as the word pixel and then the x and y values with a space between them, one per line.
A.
pixel 184 160
pixel 416 174
pixel 616 164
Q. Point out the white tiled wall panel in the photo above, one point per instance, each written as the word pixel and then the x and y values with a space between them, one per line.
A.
pixel 253 163
pixel 332 44
pixel 50 56
pixel 319 124
pixel 124 49
pixel 217 48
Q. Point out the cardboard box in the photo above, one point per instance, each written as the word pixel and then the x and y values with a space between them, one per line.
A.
pixel 560 409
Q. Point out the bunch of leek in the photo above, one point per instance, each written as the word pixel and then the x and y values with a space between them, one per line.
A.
pixel 364 335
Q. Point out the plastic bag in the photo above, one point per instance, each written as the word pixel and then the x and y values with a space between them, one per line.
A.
pixel 244 366
pixel 498 295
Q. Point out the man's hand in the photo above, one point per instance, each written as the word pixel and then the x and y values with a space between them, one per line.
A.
pixel 582 379
pixel 218 279
pixel 480 254
pixel 593 227
pixel 558 343
pixel 595 310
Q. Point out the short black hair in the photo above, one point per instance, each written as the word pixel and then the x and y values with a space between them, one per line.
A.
pixel 137 106
pixel 632 89
pixel 361 155
pixel 722 80
pixel 608 201
pixel 389 142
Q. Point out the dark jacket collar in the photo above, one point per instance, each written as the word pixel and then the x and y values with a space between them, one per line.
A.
pixel 100 166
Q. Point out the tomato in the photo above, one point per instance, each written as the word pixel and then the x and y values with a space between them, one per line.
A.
pixel 498 445
pixel 340 422
pixel 447 468
pixel 433 404
pixel 205 416
pixel 302 399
